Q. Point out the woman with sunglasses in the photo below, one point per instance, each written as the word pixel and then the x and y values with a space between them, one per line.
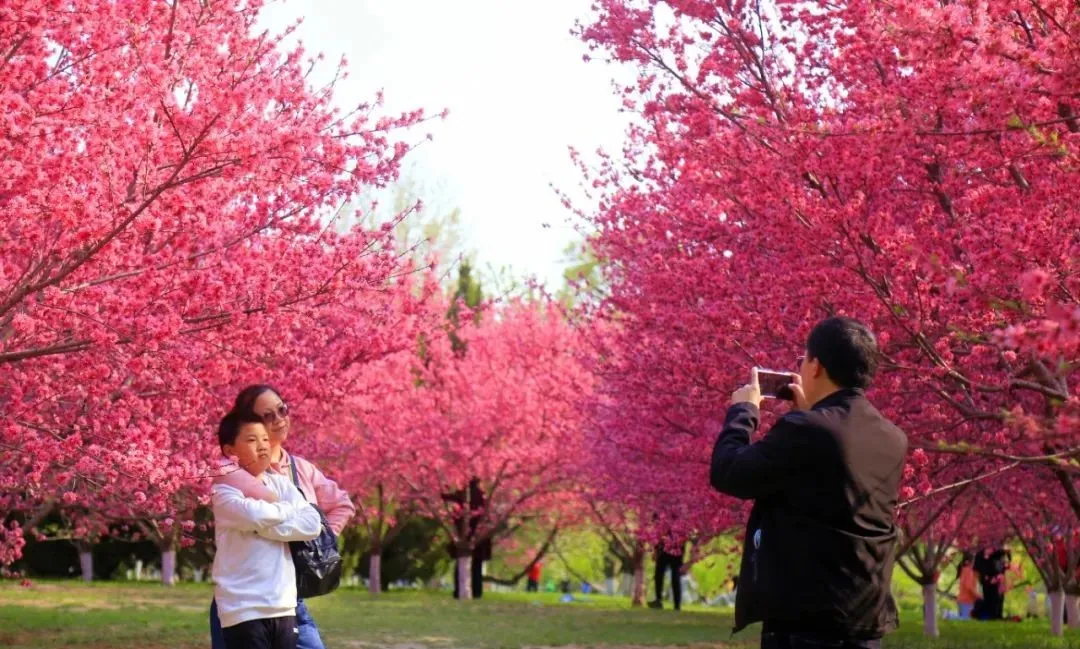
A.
pixel 265 402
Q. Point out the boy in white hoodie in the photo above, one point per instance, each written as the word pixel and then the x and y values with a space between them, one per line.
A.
pixel 255 581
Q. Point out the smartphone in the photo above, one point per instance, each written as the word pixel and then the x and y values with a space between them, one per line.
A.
pixel 774 385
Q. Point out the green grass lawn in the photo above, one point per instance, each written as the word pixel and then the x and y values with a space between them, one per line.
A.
pixel 113 615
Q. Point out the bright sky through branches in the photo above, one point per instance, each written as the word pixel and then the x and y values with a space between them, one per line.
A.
pixel 518 92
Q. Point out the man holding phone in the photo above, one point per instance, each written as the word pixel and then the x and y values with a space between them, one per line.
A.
pixel 818 553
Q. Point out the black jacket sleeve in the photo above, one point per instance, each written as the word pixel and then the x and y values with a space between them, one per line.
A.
pixel 749 471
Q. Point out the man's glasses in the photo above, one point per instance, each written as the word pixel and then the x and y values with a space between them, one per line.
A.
pixel 270 416
pixel 799 361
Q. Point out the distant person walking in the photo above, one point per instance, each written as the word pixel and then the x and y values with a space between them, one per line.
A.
pixel 668 561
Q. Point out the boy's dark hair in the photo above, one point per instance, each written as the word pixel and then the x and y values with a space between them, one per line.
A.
pixel 846 349
pixel 231 424
pixel 245 401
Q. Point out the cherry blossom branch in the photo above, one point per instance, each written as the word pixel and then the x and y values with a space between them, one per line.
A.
pixel 547 544
pixel 80 257
pixel 1032 551
pixel 614 537
pixel 42 512
pixel 14 49
pixel 970 414
pixel 215 321
pixel 912 539
pixel 1050 458
pixel 947 542
pixel 963 484
pixel 172 25
pixel 566 564
pixel 1071 493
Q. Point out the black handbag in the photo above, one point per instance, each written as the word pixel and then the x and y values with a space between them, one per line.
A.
pixel 317 562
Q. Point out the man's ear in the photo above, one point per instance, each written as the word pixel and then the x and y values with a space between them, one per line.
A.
pixel 819 369
pixel 229 451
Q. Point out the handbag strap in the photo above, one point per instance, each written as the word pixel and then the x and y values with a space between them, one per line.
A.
pixel 295 479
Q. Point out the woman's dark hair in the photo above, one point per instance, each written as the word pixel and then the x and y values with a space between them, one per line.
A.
pixel 231 424
pixel 245 401
pixel 846 349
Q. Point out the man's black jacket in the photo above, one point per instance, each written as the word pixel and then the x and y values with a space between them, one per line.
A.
pixel 818 554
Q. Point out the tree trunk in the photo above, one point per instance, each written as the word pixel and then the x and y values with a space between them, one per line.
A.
pixel 639 581
pixel 375 573
pixel 86 562
pixel 1072 606
pixel 1057 611
pixel 168 567
pixel 464 573
pixel 930 623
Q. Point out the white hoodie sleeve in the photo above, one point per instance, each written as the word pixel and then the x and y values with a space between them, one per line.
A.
pixel 233 510
pixel 303 524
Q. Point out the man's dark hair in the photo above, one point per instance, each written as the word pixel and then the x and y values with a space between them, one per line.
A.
pixel 245 401
pixel 231 424
pixel 846 349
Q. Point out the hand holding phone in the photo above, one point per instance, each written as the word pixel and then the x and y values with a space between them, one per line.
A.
pixel 775 385
pixel 749 393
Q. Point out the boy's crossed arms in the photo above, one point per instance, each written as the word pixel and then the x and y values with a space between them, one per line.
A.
pixel 290 519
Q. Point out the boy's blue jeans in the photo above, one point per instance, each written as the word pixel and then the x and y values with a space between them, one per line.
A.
pixel 309 633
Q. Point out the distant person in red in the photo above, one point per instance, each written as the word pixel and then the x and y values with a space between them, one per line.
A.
pixel 969 586
pixel 1063 563
pixel 534 578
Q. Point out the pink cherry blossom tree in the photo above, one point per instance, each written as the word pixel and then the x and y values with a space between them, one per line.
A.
pixel 788 161
pixel 166 175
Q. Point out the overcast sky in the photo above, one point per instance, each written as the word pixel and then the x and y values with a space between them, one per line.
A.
pixel 518 93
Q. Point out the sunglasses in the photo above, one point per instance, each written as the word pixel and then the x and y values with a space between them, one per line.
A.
pixel 270 416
